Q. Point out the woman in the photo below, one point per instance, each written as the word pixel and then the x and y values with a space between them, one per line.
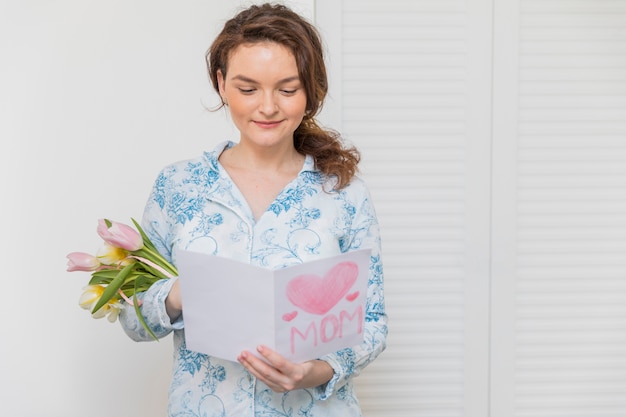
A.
pixel 284 194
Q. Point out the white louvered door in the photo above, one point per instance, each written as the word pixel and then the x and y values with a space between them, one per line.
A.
pixel 494 141
pixel 559 236
pixel 418 106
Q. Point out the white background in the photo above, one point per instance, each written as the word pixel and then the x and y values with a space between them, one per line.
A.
pixel 95 97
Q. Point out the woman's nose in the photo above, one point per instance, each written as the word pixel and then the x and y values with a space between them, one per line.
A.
pixel 268 103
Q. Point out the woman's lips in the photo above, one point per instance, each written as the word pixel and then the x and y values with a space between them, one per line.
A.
pixel 267 124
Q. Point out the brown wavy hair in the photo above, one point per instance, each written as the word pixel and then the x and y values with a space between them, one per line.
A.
pixel 279 24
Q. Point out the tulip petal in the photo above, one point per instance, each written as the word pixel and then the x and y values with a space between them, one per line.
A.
pixel 81 261
pixel 113 315
pixel 119 234
pixel 111 255
pixel 90 296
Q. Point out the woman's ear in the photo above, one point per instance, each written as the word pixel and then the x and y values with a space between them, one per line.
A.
pixel 220 83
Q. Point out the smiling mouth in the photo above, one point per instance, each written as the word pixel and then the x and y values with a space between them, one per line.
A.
pixel 267 124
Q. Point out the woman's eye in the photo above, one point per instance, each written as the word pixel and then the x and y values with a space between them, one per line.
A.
pixel 289 92
pixel 246 90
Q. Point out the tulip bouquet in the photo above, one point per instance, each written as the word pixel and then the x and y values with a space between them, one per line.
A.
pixel 127 263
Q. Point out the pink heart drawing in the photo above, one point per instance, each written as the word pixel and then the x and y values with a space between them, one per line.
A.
pixel 318 295
pixel 353 296
pixel 290 316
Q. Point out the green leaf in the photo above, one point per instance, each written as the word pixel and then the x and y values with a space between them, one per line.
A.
pixel 110 273
pixel 149 251
pixel 142 320
pixel 145 282
pixel 100 280
pixel 103 276
pixel 146 240
pixel 112 288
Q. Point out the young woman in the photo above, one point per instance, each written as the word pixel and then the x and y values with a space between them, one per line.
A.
pixel 284 193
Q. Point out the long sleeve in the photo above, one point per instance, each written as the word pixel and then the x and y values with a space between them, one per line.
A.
pixel 153 300
pixel 348 363
pixel 153 310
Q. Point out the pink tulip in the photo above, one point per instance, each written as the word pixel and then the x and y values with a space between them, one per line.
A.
pixel 80 261
pixel 119 235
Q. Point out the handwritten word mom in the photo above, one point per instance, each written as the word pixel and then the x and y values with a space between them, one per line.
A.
pixel 328 329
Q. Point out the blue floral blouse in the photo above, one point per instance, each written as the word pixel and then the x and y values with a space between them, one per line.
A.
pixel 195 205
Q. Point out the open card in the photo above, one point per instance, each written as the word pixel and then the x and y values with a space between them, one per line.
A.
pixel 303 311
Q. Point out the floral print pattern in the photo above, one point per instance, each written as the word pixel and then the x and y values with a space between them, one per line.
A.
pixel 195 205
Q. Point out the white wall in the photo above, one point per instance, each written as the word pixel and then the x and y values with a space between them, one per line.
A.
pixel 95 97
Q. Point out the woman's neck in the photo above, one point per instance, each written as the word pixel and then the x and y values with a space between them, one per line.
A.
pixel 270 159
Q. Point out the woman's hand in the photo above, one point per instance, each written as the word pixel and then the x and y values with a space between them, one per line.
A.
pixel 173 302
pixel 282 375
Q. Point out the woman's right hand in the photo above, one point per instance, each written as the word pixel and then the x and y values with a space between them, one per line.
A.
pixel 173 302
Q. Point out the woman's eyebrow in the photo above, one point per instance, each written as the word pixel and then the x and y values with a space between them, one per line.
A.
pixel 251 81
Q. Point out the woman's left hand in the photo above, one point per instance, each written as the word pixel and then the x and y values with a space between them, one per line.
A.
pixel 282 375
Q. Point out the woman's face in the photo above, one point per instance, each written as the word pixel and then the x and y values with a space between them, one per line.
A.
pixel 263 91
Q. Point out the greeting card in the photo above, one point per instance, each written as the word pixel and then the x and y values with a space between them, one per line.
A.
pixel 302 311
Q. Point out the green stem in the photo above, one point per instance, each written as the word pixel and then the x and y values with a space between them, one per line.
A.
pixel 157 258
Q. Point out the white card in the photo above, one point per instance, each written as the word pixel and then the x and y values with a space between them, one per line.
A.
pixel 303 311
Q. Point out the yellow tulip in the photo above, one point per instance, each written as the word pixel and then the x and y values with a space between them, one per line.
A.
pixel 90 297
pixel 112 255
pixel 110 310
